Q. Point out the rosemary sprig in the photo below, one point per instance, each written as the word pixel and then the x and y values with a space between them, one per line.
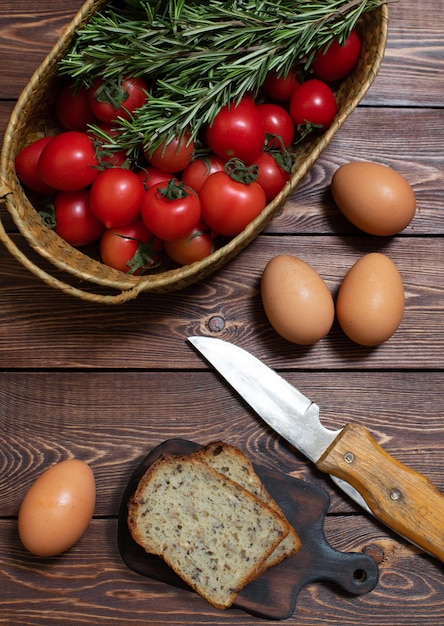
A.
pixel 199 56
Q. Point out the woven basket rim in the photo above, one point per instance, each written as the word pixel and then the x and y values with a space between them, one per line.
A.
pixel 130 286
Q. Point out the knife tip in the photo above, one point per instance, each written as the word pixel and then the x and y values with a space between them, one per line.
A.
pixel 200 341
pixel 195 340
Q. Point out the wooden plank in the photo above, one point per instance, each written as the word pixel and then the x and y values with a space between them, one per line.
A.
pixel 410 74
pixel 108 383
pixel 418 155
pixel 311 209
pixel 29 30
pixel 112 420
pixel 54 330
pixel 411 71
pixel 77 589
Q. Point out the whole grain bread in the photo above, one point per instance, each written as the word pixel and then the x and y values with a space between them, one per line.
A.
pixel 232 462
pixel 210 530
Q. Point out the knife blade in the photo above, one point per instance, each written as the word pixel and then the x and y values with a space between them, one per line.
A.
pixel 403 499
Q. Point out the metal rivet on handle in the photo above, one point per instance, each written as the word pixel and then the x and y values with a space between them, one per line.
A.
pixel 349 457
pixel 395 494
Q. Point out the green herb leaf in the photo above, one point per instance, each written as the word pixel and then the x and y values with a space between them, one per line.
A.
pixel 198 56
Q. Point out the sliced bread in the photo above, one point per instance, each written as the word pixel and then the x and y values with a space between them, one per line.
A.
pixel 232 462
pixel 210 530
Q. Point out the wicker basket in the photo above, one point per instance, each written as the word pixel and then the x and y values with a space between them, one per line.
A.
pixel 88 278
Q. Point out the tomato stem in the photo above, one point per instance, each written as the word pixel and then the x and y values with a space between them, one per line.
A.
pixel 275 146
pixel 111 92
pixel 145 257
pixel 47 215
pixel 175 189
pixel 241 173
pixel 307 128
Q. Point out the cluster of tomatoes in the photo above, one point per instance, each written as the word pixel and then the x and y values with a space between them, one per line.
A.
pixel 179 199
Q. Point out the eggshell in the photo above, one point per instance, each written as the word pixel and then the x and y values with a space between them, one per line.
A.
pixel 370 302
pixel 373 197
pixel 57 509
pixel 297 302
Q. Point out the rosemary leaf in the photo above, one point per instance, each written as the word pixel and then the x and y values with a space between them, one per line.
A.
pixel 199 57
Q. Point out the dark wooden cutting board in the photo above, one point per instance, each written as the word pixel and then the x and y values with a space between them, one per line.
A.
pixel 274 594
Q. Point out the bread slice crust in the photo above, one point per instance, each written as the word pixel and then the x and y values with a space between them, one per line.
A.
pixel 235 464
pixel 212 531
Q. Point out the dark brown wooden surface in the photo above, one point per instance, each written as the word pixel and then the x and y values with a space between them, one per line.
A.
pixel 106 384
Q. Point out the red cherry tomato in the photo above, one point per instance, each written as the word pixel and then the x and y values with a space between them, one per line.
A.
pixel 198 171
pixel 173 156
pixel 151 176
pixel 26 166
pixel 103 136
pixel 170 210
pixel 281 87
pixel 313 104
pixel 237 131
pixel 75 222
pixel 116 195
pixel 277 121
pixel 228 205
pixel 334 61
pixel 111 99
pixel 131 248
pixel 112 158
pixel 72 108
pixel 194 246
pixel 68 162
pixel 271 177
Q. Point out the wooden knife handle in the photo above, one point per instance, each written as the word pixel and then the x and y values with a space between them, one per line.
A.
pixel 403 499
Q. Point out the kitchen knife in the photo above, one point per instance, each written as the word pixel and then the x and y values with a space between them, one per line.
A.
pixel 401 498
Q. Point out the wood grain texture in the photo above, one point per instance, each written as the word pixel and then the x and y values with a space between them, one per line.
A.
pixel 112 419
pixel 363 137
pixel 403 499
pixel 67 590
pixel 106 384
pixel 410 76
pixel 31 28
pixel 414 55
pixel 230 303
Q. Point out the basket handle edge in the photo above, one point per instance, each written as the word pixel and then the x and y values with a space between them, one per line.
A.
pixel 51 280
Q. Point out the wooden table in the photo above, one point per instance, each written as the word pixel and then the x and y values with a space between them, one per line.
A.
pixel 106 384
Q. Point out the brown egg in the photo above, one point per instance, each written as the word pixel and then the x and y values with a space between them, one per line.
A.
pixel 370 302
pixel 57 509
pixel 373 197
pixel 296 300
